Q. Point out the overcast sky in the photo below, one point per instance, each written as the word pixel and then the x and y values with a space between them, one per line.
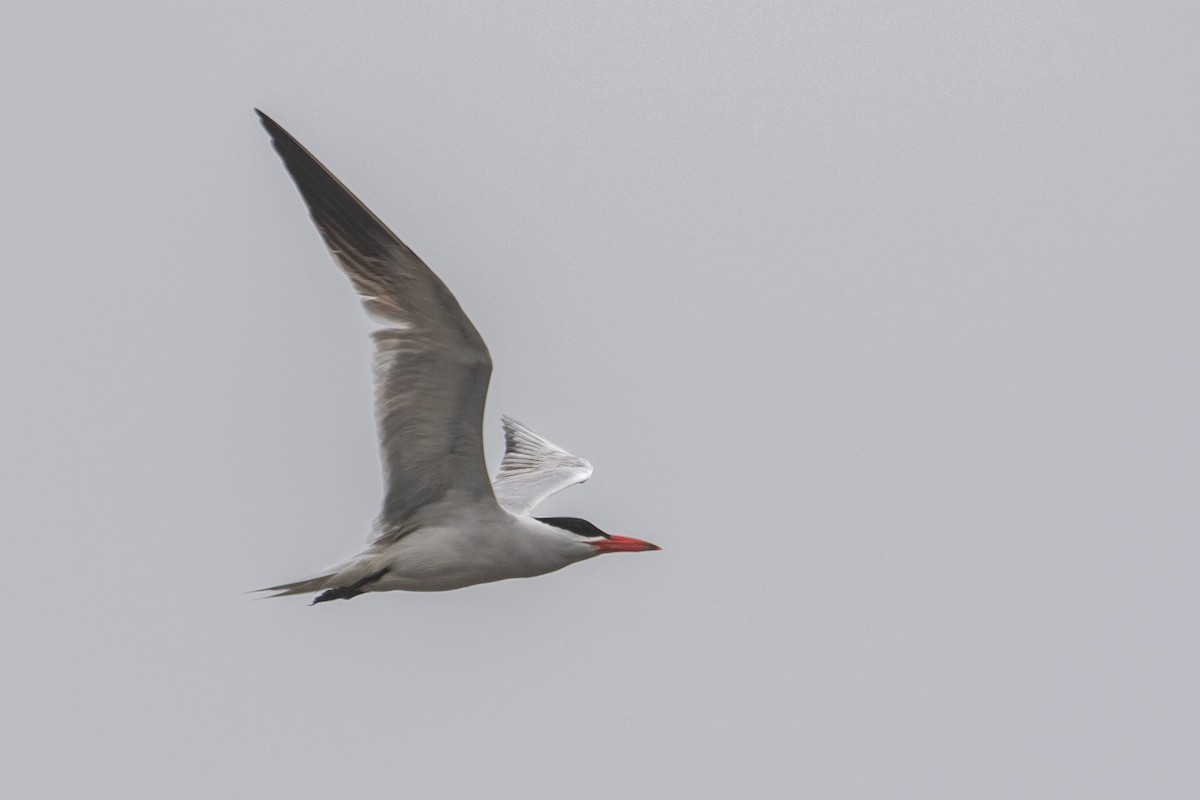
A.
pixel 880 318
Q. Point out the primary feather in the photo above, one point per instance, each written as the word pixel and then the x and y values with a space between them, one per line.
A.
pixel 534 468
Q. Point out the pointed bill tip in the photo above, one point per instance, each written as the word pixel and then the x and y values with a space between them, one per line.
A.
pixel 623 544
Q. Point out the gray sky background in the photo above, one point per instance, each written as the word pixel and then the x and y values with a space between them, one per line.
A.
pixel 882 321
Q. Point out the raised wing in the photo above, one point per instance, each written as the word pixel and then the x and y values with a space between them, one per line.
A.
pixel 534 468
pixel 431 365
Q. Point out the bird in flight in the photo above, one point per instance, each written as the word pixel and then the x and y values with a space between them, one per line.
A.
pixel 443 525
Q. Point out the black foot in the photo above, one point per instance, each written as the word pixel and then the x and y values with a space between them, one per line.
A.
pixel 346 592
pixel 335 594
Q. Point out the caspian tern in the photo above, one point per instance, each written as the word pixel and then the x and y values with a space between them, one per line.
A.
pixel 443 525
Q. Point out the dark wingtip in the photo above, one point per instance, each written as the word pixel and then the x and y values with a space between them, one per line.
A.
pixel 272 127
pixel 349 227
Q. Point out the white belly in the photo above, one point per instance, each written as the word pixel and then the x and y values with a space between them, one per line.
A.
pixel 444 558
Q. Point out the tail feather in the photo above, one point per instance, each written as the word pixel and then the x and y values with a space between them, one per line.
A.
pixel 299 587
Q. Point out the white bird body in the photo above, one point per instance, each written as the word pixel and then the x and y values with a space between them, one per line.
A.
pixel 465 549
pixel 443 525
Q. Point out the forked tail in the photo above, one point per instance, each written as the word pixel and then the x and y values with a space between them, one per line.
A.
pixel 299 587
pixel 328 586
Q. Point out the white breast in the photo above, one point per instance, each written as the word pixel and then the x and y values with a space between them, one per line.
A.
pixel 450 557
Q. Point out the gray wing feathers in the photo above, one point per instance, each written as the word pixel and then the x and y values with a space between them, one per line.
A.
pixel 429 403
pixel 534 468
pixel 431 365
